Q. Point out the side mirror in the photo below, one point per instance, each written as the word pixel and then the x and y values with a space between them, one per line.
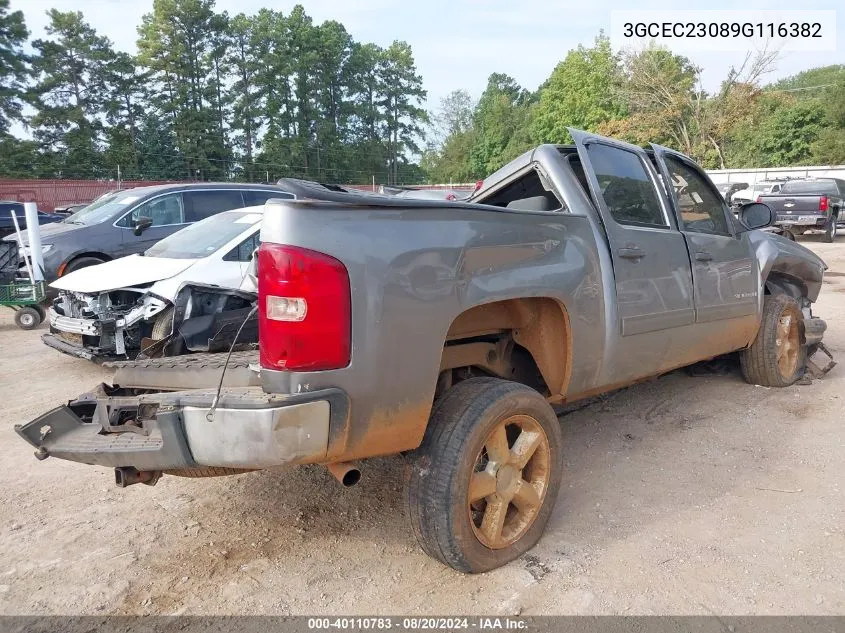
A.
pixel 142 224
pixel 755 215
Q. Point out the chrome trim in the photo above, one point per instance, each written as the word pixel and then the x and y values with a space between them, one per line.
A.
pixel 258 438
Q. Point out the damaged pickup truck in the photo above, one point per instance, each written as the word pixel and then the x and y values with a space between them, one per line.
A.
pixel 446 331
pixel 187 293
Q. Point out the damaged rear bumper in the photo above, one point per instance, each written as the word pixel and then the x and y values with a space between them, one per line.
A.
pixel 170 431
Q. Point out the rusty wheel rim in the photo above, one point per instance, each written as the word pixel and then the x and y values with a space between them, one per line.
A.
pixel 509 481
pixel 787 343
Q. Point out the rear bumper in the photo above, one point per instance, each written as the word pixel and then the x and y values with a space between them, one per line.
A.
pixel 166 431
pixel 805 221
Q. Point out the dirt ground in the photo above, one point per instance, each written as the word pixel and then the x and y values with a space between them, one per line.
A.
pixel 684 495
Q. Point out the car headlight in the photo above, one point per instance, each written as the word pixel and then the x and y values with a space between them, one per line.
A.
pixel 45 248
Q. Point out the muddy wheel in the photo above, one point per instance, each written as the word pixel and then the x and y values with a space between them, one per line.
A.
pixel 776 358
pixel 830 231
pixel 27 318
pixel 482 485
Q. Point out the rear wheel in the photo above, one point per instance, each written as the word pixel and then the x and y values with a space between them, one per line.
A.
pixel 776 358
pixel 42 313
pixel 482 485
pixel 830 230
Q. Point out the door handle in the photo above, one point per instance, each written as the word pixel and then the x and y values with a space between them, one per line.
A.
pixel 703 256
pixel 631 252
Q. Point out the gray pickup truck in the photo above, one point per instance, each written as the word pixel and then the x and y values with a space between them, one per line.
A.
pixel 446 331
pixel 813 204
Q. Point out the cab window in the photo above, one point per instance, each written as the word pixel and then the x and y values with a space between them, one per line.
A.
pixel 701 208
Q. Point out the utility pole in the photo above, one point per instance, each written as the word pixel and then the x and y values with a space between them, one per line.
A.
pixel 118 177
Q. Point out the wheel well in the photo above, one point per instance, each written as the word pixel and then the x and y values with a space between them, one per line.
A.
pixel 525 340
pixel 100 256
pixel 785 284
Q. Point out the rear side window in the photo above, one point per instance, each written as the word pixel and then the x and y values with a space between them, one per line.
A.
pixel 810 186
pixel 627 190
pixel 700 207
pixel 255 198
pixel 243 251
pixel 203 204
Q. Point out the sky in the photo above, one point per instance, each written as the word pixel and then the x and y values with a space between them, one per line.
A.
pixel 459 43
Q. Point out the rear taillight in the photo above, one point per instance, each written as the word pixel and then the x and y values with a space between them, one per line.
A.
pixel 759 198
pixel 823 203
pixel 304 309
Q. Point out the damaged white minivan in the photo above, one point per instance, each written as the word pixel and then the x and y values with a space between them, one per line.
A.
pixel 190 292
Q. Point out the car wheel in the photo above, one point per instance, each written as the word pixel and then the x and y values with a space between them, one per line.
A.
pixel 81 262
pixel 163 325
pixel 777 356
pixel 830 230
pixel 27 318
pixel 482 484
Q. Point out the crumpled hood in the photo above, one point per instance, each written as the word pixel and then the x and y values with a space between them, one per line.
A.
pixel 125 272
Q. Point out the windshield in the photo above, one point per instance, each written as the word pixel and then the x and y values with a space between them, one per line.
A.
pixel 810 186
pixel 103 208
pixel 203 238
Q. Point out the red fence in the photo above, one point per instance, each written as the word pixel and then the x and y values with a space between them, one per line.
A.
pixel 49 194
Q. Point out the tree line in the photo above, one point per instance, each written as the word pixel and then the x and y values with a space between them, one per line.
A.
pixel 650 95
pixel 208 96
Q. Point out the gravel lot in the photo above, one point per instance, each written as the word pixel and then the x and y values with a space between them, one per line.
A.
pixel 684 495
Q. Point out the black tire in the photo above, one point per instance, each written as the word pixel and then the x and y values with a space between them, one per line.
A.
pixel 830 231
pixel 440 470
pixel 42 313
pixel 27 318
pixel 82 262
pixel 760 363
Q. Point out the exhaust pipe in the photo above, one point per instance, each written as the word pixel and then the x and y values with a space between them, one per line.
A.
pixel 127 476
pixel 346 473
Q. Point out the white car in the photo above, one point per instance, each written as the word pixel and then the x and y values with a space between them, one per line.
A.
pixel 139 303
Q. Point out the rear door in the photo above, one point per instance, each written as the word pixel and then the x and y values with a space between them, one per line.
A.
pixel 202 204
pixel 724 267
pixel 650 260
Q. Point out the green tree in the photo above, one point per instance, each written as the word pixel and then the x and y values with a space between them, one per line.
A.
pixel 158 156
pixel 447 159
pixel 69 92
pixel 400 92
pixel 13 65
pixel 123 108
pixel 180 43
pixel 582 92
pixel 830 147
pixel 499 122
